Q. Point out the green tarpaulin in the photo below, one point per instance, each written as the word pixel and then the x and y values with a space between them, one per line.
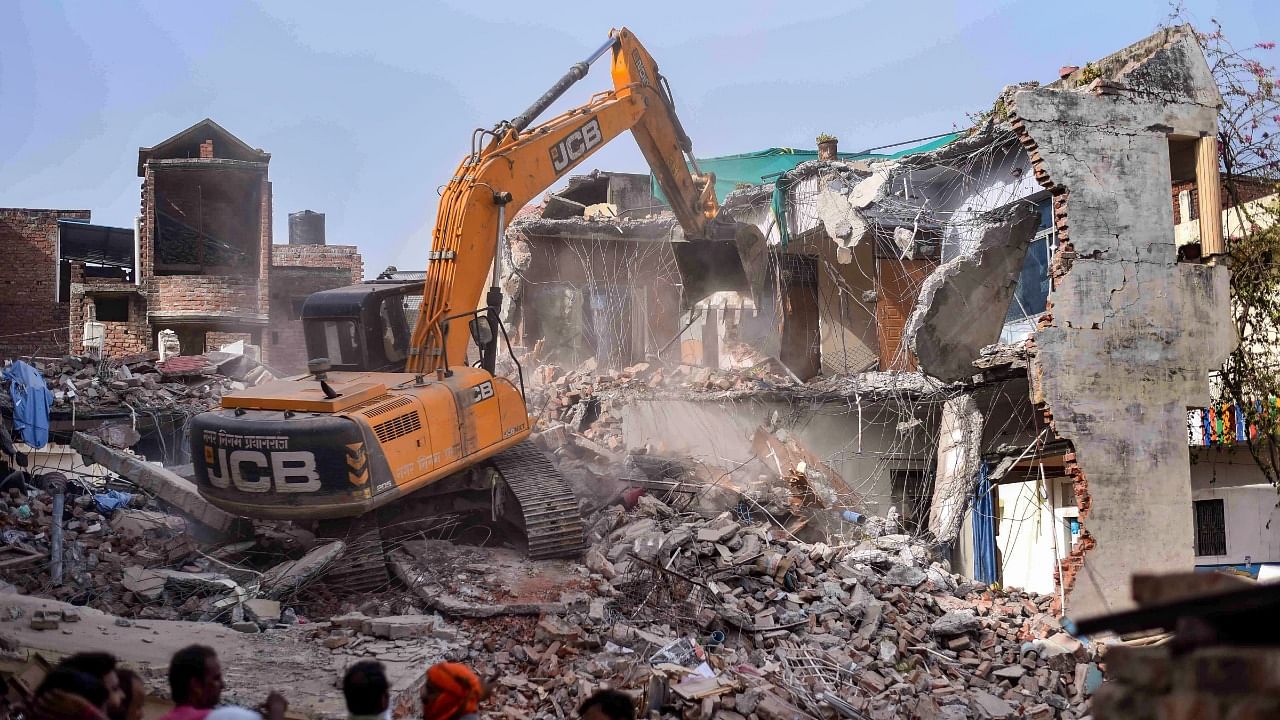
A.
pixel 770 165
pixel 764 166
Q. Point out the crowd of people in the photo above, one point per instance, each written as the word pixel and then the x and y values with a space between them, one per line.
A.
pixel 93 686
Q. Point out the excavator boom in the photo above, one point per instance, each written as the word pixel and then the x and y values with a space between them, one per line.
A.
pixel 392 425
pixel 517 163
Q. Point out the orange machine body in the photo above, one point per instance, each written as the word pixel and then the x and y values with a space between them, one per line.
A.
pixel 372 444
pixel 376 430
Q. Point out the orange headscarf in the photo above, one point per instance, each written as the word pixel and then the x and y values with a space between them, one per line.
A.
pixel 458 691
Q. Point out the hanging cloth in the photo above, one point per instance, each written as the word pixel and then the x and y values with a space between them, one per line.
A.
pixel 31 403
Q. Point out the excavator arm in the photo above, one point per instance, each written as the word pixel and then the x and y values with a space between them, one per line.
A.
pixel 511 165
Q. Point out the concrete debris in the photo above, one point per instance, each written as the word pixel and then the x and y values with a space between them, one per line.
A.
pixel 723 618
pixel 958 461
pixel 263 611
pixel 140 561
pixel 187 384
pixel 289 577
pixel 165 484
pixel 945 333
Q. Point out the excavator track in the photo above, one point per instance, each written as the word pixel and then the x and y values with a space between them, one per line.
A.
pixel 552 522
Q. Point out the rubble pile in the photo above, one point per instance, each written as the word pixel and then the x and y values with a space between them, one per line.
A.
pixel 554 389
pixel 749 596
pixel 720 618
pixel 196 382
pixel 409 637
pixel 123 554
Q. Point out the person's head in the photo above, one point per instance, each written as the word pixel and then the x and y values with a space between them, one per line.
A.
pixel 135 695
pixel 451 691
pixel 73 682
pixel 608 705
pixel 195 677
pixel 365 688
pixel 103 667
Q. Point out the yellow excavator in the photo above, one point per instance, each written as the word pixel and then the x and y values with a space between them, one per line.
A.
pixel 385 410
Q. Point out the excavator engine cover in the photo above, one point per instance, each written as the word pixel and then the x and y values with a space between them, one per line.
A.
pixel 734 257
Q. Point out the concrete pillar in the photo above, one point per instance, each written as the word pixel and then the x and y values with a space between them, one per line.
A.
pixel 959 454
pixel 1209 185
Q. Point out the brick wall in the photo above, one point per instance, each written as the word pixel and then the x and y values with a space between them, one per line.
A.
pixel 346 257
pixel 31 320
pixel 214 340
pixel 120 338
pixel 239 289
pixel 205 293
pixel 1213 683
pixel 296 272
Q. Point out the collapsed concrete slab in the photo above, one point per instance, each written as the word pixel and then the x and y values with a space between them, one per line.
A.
pixel 170 487
pixel 962 304
pixel 289 577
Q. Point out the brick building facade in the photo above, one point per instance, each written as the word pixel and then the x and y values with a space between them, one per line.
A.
pixel 205 263
pixel 297 270
pixel 34 321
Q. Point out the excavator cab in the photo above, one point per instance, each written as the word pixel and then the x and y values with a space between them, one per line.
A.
pixel 365 327
pixel 360 327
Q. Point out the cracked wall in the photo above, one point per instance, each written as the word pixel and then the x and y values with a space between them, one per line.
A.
pixel 1132 334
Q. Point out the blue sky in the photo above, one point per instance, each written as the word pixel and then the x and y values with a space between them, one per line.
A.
pixel 366 112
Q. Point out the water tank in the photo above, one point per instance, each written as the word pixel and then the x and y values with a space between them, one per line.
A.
pixel 306 228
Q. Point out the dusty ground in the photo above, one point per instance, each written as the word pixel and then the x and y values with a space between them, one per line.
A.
pixel 252 665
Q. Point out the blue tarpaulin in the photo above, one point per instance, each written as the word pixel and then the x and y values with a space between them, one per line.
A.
pixel 762 166
pixel 773 164
pixel 31 403
pixel 984 530
pixel 111 500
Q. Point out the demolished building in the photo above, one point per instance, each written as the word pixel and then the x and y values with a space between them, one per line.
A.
pixel 1008 309
pixel 973 358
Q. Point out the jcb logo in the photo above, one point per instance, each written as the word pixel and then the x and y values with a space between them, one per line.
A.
pixel 640 69
pixel 575 145
pixel 481 392
pixel 287 472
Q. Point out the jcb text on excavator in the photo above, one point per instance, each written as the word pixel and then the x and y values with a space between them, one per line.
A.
pixel 391 408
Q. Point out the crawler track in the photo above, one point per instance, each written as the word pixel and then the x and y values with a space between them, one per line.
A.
pixel 552 523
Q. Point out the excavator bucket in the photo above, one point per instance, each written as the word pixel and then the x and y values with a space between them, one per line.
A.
pixel 734 257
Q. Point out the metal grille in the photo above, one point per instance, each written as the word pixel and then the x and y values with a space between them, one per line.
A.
pixel 1211 527
pixel 651 593
pixel 381 406
pixel 397 427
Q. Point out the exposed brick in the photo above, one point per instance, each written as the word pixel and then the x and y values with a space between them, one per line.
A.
pixel 32 322
pixel 1230 670
pixel 1188 706
pixel 1143 668
pixel 296 272
pixel 228 200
